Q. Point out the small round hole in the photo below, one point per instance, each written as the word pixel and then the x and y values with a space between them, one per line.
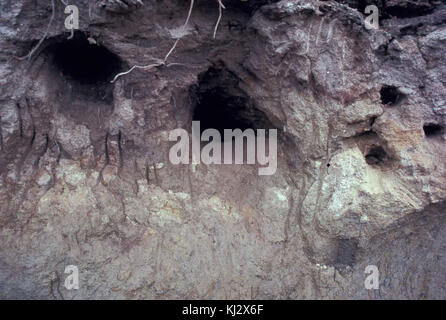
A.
pixel 433 130
pixel 376 155
pixel 391 96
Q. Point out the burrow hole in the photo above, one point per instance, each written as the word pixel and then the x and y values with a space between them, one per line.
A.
pixel 347 250
pixel 376 155
pixel 220 104
pixel 87 66
pixel 433 130
pixel 391 96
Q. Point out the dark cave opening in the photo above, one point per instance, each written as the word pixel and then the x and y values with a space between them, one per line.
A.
pixel 218 110
pixel 376 155
pixel 220 104
pixel 86 67
pixel 83 62
pixel 391 96
pixel 433 130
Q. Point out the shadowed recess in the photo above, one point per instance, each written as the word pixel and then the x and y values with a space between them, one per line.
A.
pixel 433 130
pixel 220 104
pixel 391 96
pixel 376 155
pixel 83 62
pixel 346 252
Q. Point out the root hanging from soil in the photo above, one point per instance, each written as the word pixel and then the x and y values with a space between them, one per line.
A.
pixel 163 62
pixel 220 13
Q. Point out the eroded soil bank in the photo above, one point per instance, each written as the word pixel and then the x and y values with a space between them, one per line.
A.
pixel 86 178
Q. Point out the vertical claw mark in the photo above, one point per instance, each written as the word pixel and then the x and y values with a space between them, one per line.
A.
pixel 28 104
pixel 33 137
pixel 147 173
pixel 136 175
pixel 156 173
pixel 107 161
pixel 120 149
pixel 59 151
pixel 107 156
pixel 19 108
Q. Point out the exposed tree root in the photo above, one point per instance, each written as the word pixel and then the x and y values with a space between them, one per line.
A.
pixel 163 62
pixel 145 67
pixel 220 12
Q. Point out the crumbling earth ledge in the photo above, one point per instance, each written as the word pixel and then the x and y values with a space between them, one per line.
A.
pixel 86 179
